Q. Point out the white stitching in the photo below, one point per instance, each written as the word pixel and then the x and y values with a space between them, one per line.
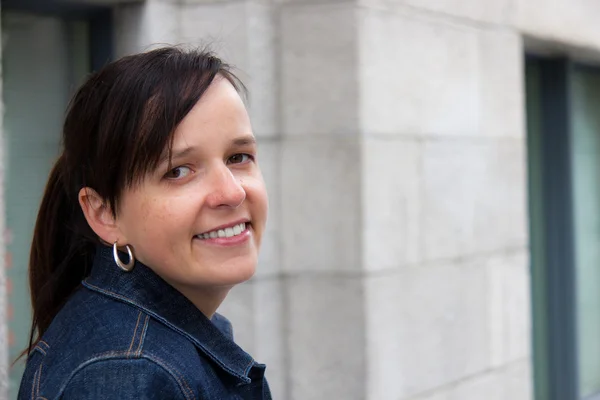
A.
pixel 37 391
pixel 142 337
pixel 40 349
pixel 134 332
pixel 33 385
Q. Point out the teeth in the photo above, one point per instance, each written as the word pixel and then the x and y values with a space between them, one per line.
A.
pixel 224 233
pixel 237 230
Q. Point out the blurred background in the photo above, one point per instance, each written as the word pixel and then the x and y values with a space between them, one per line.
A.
pixel 434 177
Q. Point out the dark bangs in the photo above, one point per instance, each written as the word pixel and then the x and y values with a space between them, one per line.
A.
pixel 126 115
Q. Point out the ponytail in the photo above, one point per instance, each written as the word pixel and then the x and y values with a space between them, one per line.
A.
pixel 60 253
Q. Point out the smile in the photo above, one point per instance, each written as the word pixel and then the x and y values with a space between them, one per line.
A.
pixel 229 232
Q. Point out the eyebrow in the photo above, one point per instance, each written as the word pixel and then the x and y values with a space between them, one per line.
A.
pixel 244 141
pixel 248 140
pixel 176 154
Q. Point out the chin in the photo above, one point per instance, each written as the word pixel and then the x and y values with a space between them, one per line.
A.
pixel 233 275
pixel 243 275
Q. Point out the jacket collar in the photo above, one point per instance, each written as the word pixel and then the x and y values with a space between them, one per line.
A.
pixel 145 290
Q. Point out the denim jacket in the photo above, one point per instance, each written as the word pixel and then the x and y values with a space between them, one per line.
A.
pixel 130 335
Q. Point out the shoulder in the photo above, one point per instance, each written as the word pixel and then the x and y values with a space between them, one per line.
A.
pixel 175 352
pixel 121 378
pixel 100 344
pixel 91 324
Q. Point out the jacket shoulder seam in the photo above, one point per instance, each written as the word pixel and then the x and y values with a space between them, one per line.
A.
pixel 183 386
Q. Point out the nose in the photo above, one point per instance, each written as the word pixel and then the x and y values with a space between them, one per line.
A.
pixel 225 189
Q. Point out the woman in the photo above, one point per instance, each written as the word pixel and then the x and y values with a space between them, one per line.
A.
pixel 152 213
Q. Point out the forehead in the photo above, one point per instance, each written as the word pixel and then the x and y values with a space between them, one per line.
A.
pixel 220 113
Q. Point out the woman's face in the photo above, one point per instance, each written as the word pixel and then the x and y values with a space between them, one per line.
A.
pixel 200 223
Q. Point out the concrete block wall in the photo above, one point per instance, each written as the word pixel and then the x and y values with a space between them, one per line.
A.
pixel 441 90
pixel 322 201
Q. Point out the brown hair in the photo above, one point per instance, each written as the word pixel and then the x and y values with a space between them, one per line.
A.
pixel 118 125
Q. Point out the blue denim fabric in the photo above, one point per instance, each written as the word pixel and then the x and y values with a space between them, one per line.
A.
pixel 132 336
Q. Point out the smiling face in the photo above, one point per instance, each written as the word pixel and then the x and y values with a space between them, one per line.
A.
pixel 198 222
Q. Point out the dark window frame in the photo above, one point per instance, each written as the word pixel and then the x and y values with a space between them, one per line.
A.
pixel 558 349
pixel 100 20
pixel 553 259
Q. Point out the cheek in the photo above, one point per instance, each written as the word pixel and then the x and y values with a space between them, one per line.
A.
pixel 256 192
pixel 147 219
pixel 167 217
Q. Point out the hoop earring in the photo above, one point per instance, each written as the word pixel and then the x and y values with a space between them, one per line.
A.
pixel 125 267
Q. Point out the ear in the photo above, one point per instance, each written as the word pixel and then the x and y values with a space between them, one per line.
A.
pixel 99 216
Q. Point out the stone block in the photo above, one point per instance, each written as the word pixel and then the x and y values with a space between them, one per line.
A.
pixel 509 383
pixel 502 102
pixel 143 26
pixel 481 386
pixel 474 197
pixel 262 69
pixel 391 203
pixel 312 2
pixel 269 154
pixel 222 26
pixel 243 34
pixel 571 22
pixel 493 12
pixel 517 380
pixel 222 1
pixel 319 53
pixel 509 302
pixel 449 79
pixel 423 82
pixel 325 327
pixel 320 204
pixel 426 327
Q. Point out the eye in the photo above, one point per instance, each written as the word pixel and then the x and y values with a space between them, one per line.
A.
pixel 178 173
pixel 241 158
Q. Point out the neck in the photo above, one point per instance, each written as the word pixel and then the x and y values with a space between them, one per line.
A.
pixel 207 300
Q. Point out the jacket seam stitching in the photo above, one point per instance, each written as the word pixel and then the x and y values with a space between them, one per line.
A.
pixel 47 345
pixel 96 358
pixel 174 373
pixel 120 355
pixel 138 352
pixel 158 317
pixel 40 349
pixel 33 385
pixel 134 332
pixel 37 390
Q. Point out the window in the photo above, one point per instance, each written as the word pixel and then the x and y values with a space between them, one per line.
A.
pixel 563 99
pixel 45 57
